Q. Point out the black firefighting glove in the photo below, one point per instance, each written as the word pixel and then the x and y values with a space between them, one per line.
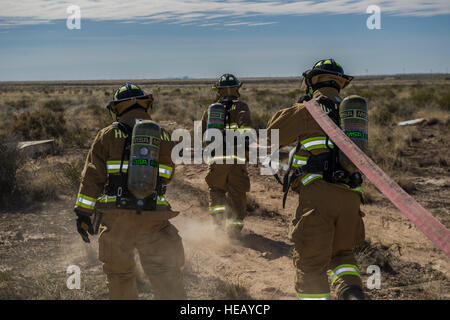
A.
pixel 84 225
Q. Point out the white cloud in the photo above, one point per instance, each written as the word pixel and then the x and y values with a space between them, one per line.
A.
pixel 208 24
pixel 261 23
pixel 236 24
pixel 199 11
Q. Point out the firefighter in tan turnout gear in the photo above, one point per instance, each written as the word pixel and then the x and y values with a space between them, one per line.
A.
pixel 123 181
pixel 328 223
pixel 228 183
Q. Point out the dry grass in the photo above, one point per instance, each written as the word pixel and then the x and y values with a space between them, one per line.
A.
pixel 48 286
pixel 25 181
pixel 400 279
pixel 9 160
pixel 37 125
pixel 233 290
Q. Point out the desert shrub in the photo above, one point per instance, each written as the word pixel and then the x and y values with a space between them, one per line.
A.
pixel 54 105
pixel 393 107
pixel 21 185
pixel 176 92
pixel 386 93
pixel 262 93
pixel 19 104
pixel 187 94
pixel 278 101
pixel 293 95
pixel 368 93
pixel 394 110
pixel 234 290
pixel 171 110
pixel 259 121
pixel 387 146
pixel 9 163
pixel 95 109
pixel 381 115
pixel 72 172
pixel 204 102
pixel 38 125
pixel 76 136
pixel 101 115
pixel 444 101
pixel 68 175
pixel 351 90
pixel 34 186
pixel 422 96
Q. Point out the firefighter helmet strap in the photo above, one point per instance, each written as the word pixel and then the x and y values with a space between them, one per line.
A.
pixel 316 79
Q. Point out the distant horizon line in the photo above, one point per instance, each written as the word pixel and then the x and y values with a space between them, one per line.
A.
pixel 188 78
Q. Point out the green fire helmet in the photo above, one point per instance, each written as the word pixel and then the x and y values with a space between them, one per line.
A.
pixel 128 91
pixel 328 66
pixel 127 96
pixel 324 67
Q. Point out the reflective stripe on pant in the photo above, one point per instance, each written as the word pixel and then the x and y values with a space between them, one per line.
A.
pixel 217 202
pixel 160 249
pixel 228 185
pixel 235 223
pixel 328 225
pixel 313 296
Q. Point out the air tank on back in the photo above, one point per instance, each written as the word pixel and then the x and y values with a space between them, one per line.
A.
pixel 144 157
pixel 216 118
pixel 354 123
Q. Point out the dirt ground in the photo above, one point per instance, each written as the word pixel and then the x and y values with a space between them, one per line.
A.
pixel 39 243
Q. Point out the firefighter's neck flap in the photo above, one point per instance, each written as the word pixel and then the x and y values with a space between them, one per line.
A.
pixel 227 87
pixel 129 97
pixel 324 74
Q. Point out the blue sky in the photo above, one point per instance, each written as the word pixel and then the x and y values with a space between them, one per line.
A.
pixel 203 39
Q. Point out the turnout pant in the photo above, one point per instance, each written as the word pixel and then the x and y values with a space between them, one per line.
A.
pixel 228 186
pixel 327 227
pixel 160 249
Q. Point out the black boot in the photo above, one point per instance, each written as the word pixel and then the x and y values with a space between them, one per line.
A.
pixel 351 293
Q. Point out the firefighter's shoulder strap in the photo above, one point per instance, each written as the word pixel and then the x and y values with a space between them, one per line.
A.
pixel 228 104
pixel 329 162
pixel 124 127
pixel 126 146
pixel 330 108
